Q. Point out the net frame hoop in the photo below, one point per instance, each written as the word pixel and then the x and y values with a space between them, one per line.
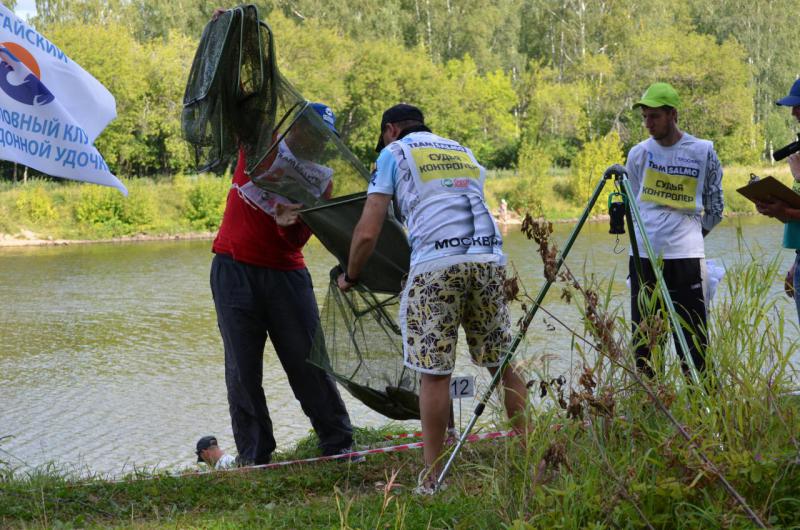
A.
pixel 343 150
pixel 204 95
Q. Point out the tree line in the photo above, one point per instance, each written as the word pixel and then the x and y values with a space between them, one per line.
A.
pixel 533 84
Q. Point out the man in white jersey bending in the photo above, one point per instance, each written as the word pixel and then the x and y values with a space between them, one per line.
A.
pixel 677 183
pixel 457 266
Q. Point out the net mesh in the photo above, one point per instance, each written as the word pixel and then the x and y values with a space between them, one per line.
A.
pixel 234 90
pixel 362 347
pixel 236 102
pixel 334 221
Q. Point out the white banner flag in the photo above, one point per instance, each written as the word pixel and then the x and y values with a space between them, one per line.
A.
pixel 51 109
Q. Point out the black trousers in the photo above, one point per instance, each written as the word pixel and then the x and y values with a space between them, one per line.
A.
pixel 254 303
pixel 685 283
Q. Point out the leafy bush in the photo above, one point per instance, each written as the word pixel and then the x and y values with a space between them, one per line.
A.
pixel 36 204
pixel 528 193
pixel 205 202
pixel 112 213
pixel 591 162
pixel 524 196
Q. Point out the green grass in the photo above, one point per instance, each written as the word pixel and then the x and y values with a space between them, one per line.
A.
pixel 324 495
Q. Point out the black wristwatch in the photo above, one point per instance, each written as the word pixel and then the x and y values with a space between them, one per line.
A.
pixel 348 279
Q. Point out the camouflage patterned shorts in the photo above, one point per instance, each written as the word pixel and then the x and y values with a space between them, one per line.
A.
pixel 435 303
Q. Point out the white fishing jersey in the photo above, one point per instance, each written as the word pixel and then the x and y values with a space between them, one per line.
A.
pixel 438 188
pixel 669 183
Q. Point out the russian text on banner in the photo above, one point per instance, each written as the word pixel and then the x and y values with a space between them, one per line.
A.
pixel 51 109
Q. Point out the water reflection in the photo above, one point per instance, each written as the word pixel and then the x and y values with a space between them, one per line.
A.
pixel 111 356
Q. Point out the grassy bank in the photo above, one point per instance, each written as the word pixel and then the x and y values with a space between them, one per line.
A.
pixel 190 204
pixel 608 450
pixel 70 210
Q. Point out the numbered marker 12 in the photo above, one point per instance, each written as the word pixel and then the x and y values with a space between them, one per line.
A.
pixel 462 386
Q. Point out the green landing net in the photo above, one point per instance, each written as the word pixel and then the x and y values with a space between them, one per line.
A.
pixel 234 90
pixel 236 102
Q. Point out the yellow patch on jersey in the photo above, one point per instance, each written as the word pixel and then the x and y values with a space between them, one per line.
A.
pixel 675 191
pixel 434 163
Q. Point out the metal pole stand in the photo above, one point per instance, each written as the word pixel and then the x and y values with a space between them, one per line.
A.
pixel 620 176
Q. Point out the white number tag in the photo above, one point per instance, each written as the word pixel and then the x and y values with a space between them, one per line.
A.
pixel 463 386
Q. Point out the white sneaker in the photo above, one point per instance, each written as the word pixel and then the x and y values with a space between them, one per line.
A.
pixel 452 435
pixel 425 487
pixel 422 489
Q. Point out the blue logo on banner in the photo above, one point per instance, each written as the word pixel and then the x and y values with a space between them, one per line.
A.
pixel 29 90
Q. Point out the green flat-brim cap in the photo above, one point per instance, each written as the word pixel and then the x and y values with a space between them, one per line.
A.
pixel 659 95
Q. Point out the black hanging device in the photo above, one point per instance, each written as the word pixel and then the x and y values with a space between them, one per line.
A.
pixel 616 213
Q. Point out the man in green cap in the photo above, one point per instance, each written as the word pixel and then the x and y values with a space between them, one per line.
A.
pixel 677 184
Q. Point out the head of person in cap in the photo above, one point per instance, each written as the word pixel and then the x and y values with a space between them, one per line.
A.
pixel 792 99
pixel 659 106
pixel 327 115
pixel 305 139
pixel 209 452
pixel 398 121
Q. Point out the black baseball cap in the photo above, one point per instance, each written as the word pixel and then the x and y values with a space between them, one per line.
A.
pixel 400 112
pixel 204 443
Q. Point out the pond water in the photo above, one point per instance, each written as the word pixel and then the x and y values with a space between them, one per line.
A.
pixel 110 357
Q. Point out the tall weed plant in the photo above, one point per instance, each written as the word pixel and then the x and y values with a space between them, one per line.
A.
pixel 615 449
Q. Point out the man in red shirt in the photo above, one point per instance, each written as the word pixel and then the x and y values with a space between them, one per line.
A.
pixel 261 289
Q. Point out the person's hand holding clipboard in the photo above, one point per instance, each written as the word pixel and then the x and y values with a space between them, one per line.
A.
pixel 772 198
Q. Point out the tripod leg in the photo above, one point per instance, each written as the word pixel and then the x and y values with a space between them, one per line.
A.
pixel 451 423
pixel 523 328
pixel 631 232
